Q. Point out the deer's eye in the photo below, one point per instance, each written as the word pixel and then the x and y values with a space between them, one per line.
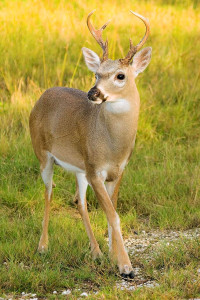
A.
pixel 120 76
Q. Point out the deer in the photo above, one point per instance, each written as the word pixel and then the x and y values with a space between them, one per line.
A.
pixel 92 135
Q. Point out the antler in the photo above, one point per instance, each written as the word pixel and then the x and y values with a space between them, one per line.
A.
pixel 97 34
pixel 134 49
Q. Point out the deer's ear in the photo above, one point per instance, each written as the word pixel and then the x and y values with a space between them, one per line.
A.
pixel 92 60
pixel 141 60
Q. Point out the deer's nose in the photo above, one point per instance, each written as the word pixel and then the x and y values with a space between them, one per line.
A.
pixel 94 93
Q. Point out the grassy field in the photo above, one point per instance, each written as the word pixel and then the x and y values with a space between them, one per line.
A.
pixel 40 47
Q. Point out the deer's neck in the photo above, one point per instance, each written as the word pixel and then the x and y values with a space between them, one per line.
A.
pixel 118 120
pixel 121 112
pixel 118 107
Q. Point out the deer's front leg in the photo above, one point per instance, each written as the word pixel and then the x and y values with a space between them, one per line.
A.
pixel 113 191
pixel 80 198
pixel 123 260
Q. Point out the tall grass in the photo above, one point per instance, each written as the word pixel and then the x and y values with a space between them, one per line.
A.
pixel 41 47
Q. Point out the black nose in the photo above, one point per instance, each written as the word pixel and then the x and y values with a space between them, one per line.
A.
pixel 94 93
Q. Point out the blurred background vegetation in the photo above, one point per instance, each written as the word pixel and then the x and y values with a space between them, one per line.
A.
pixel 40 47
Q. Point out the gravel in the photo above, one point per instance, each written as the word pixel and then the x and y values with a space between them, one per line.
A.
pixel 84 294
pixel 66 292
pixel 140 245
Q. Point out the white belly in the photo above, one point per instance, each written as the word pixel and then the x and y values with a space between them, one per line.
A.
pixel 66 166
pixel 71 168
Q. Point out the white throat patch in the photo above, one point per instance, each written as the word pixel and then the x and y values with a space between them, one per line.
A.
pixel 118 106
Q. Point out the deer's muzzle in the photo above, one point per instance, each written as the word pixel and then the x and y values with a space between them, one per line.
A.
pixel 94 94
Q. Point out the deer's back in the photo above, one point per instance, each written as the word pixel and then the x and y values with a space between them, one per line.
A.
pixel 57 100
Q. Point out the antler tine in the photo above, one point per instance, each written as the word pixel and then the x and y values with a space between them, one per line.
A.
pixel 134 49
pixel 97 34
pixel 145 37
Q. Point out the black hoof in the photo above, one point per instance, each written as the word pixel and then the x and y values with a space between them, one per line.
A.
pixel 131 275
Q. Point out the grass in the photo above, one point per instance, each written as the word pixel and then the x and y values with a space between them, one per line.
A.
pixel 41 47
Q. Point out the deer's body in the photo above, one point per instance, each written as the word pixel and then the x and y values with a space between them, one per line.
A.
pixel 93 136
pixel 100 141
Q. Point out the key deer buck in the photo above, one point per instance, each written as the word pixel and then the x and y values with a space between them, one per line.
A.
pixel 92 134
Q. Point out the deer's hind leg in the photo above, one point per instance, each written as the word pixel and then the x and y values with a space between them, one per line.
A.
pixel 46 168
pixel 80 199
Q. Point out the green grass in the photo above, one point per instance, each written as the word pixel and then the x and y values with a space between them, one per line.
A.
pixel 41 47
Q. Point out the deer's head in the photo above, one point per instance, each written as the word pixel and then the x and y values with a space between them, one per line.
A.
pixel 115 77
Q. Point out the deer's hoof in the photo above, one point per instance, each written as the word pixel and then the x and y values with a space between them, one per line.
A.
pixel 131 275
pixel 42 249
pixel 97 254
